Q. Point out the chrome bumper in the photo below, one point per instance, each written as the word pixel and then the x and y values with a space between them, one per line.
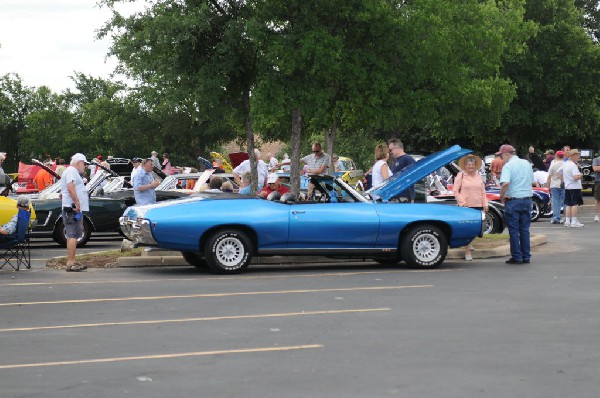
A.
pixel 137 230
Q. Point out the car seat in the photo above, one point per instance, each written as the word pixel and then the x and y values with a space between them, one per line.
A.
pixel 288 198
pixel 274 196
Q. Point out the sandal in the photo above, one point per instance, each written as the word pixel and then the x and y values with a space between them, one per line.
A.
pixel 75 268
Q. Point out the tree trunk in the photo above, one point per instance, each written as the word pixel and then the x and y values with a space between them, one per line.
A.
pixel 295 170
pixel 250 143
pixel 330 141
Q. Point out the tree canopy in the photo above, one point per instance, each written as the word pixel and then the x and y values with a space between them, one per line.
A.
pixel 352 72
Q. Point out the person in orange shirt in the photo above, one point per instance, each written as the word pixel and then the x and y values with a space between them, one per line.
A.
pixel 469 189
pixel 42 180
pixel 496 166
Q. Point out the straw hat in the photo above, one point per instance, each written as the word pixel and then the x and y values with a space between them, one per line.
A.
pixel 462 162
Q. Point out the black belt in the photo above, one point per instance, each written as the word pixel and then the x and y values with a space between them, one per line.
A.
pixel 528 197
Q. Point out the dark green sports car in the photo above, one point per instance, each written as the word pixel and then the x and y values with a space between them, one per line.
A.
pixel 103 215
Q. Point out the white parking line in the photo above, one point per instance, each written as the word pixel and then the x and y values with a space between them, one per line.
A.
pixel 210 295
pixel 162 356
pixel 201 319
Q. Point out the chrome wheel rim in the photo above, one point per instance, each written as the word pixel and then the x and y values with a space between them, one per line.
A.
pixel 230 252
pixel 489 224
pixel 426 247
pixel 535 210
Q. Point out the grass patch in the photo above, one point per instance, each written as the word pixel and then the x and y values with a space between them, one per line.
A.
pixel 490 241
pixel 107 259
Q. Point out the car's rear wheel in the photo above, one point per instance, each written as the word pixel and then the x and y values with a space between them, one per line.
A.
pixel 492 223
pixel 536 210
pixel 195 259
pixel 228 251
pixel 59 233
pixel 424 246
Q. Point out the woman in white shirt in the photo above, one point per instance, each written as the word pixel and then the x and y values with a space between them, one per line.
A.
pixel 381 170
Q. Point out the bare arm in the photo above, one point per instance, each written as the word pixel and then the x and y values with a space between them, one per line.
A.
pixel 385 171
pixel 503 190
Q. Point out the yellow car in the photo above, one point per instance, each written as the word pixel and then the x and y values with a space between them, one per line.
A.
pixel 8 208
pixel 346 167
pixel 226 165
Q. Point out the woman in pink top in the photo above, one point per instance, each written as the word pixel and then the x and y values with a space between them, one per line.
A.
pixel 469 189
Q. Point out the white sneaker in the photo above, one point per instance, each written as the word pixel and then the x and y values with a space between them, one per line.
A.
pixel 567 224
pixel 576 224
pixel 596 218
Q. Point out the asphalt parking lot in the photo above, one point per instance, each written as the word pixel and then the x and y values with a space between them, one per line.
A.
pixel 480 329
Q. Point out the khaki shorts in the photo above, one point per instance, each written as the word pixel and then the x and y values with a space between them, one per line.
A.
pixel 73 228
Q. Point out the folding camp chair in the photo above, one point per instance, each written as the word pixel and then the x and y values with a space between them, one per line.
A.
pixel 17 245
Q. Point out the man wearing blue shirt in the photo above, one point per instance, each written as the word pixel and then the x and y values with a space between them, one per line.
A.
pixel 401 161
pixel 516 193
pixel 144 184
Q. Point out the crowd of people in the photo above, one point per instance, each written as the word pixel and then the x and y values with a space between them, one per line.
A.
pixel 557 171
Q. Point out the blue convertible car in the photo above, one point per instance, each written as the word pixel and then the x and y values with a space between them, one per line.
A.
pixel 224 231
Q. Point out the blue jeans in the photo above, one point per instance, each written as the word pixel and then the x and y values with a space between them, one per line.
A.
pixel 517 215
pixel 558 199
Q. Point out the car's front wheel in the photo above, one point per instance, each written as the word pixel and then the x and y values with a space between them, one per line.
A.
pixel 195 259
pixel 228 251
pixel 424 246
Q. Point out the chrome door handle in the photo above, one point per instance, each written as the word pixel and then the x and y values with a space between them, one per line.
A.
pixel 298 212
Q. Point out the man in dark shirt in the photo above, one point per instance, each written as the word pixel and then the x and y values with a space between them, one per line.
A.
pixel 401 161
pixel 536 160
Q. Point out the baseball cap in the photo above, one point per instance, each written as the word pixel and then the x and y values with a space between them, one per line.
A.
pixel 506 148
pixel 136 160
pixel 79 157
pixel 560 154
pixel 99 157
pixel 272 178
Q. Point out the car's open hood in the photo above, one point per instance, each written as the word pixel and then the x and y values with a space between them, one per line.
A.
pixel 48 169
pixel 417 171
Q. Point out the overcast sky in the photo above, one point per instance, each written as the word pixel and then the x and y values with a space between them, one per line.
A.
pixel 45 41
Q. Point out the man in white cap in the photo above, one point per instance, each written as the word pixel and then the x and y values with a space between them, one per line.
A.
pixel 75 200
pixel 516 193
pixel 273 184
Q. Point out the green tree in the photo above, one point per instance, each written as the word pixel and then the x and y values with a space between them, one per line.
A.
pixel 197 57
pixel 590 10
pixel 14 99
pixel 50 127
pixel 558 79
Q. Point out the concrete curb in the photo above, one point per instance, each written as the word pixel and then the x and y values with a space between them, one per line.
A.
pixel 159 258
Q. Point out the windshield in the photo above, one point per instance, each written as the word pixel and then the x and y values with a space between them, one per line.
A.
pixel 335 190
pixel 168 184
pixel 51 192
